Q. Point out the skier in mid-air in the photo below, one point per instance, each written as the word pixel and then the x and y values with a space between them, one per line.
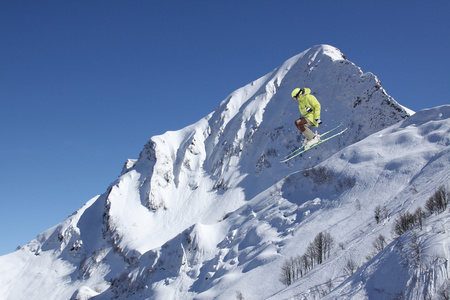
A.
pixel 310 110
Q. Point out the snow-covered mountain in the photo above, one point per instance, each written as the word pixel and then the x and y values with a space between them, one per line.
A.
pixel 209 212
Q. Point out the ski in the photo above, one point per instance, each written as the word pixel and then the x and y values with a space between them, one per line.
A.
pixel 322 141
pixel 300 148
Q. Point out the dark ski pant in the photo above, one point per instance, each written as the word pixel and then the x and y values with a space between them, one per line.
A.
pixel 303 125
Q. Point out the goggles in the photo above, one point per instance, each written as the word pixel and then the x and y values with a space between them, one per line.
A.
pixel 300 93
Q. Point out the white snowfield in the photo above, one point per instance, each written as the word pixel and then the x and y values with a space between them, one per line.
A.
pixel 209 212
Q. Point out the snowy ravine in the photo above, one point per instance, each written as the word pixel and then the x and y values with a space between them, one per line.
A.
pixel 209 212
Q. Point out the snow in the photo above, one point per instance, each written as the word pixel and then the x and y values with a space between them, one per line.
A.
pixel 84 293
pixel 209 211
pixel 415 277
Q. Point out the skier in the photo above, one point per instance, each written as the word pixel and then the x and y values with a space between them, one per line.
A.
pixel 310 110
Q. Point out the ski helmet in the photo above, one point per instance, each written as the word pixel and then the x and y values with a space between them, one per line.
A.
pixel 297 92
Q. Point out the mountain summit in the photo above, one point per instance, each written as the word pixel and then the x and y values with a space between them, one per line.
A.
pixel 209 212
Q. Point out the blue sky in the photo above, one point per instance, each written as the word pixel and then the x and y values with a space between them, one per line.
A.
pixel 85 84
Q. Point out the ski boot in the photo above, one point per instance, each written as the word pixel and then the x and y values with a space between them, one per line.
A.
pixel 311 142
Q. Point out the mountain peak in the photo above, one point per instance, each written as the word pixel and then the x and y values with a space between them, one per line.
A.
pixel 209 209
pixel 323 49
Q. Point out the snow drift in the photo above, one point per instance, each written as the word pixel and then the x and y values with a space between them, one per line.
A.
pixel 210 212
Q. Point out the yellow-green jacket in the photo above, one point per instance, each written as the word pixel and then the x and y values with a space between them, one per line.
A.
pixel 308 100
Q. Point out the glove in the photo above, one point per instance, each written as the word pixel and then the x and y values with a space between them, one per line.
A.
pixel 308 109
pixel 318 121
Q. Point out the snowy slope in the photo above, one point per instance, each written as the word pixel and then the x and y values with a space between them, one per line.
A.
pixel 209 211
pixel 398 168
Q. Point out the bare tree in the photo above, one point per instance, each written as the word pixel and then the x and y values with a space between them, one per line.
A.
pixel 304 264
pixel 311 255
pixel 322 244
pixel 416 252
pixel 404 222
pixel 381 213
pixel 379 243
pixel 239 295
pixel 438 202
pixel 350 267
pixel 377 212
pixel 318 246
pixel 430 205
pixel 419 215
pixel 329 244
pixel 286 273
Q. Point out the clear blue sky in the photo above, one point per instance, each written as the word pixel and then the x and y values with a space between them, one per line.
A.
pixel 85 84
